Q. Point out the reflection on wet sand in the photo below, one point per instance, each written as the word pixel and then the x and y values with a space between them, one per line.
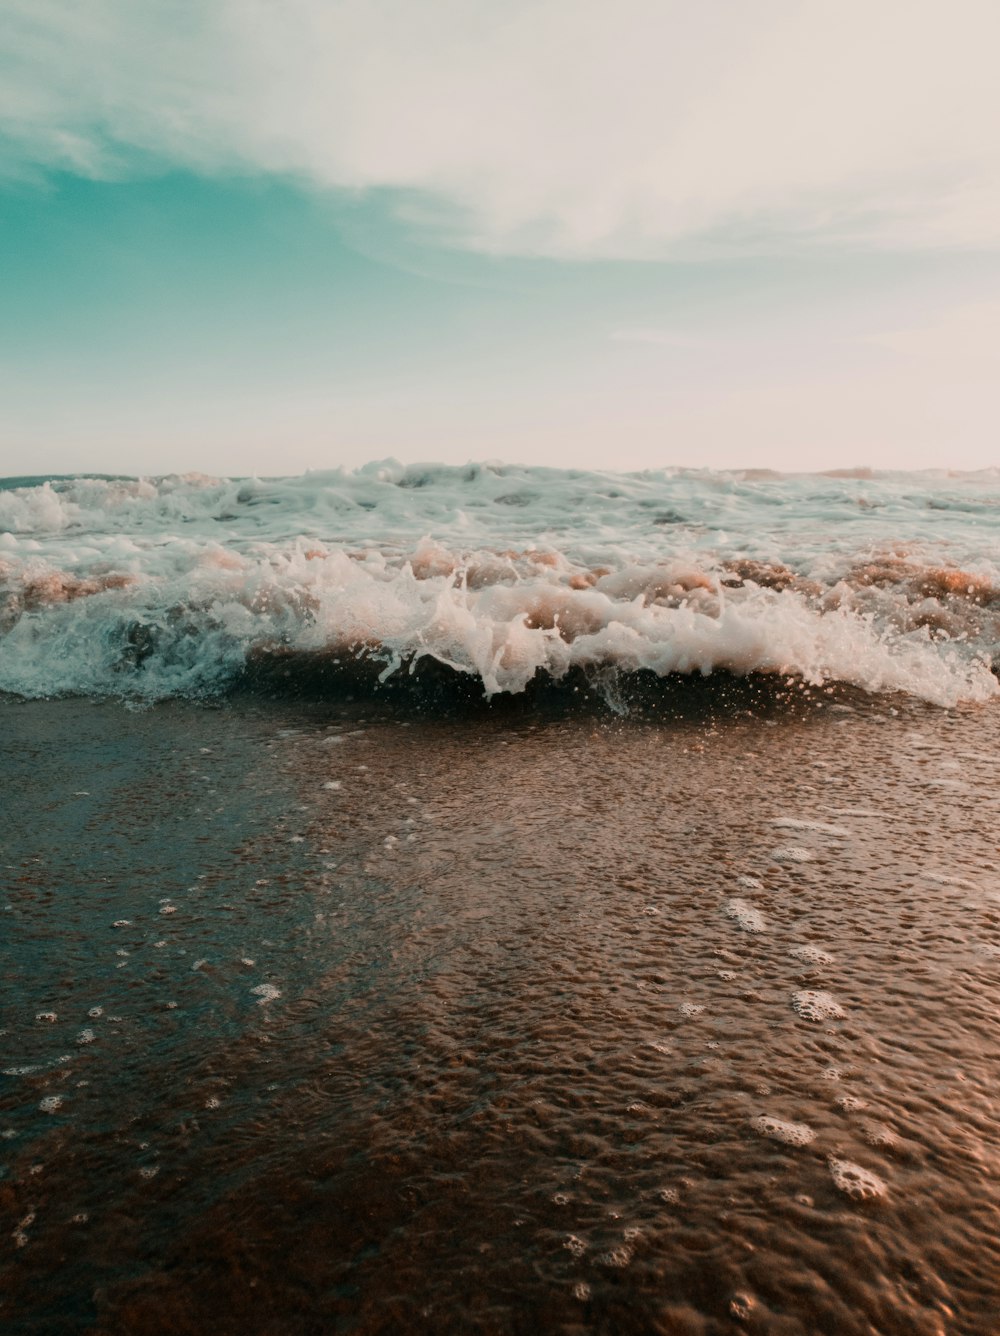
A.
pixel 501 1024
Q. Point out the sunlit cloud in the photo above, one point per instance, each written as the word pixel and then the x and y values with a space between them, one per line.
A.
pixel 566 128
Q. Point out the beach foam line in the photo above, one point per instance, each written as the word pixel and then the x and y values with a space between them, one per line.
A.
pixel 502 619
pixel 509 576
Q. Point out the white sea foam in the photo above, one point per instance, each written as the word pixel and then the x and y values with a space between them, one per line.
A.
pixel 817 1006
pixel 814 955
pixel 791 1134
pixel 792 853
pixel 800 823
pixel 746 916
pixel 879 1135
pixel 855 1181
pixel 157 587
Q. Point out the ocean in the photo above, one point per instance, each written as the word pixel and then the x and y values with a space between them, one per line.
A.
pixel 177 587
pixel 500 900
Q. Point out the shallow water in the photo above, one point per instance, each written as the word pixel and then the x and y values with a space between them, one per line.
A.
pixel 531 1023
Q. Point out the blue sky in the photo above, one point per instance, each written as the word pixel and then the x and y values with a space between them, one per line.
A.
pixel 251 238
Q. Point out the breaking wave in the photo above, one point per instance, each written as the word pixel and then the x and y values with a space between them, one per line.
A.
pixel 155 588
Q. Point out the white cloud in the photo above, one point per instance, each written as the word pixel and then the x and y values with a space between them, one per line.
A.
pixel 562 127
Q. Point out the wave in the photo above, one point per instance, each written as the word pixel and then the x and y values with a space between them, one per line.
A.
pixel 489 500
pixel 191 618
pixel 503 576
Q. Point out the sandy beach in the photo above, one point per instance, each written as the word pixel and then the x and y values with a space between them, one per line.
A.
pixel 334 1015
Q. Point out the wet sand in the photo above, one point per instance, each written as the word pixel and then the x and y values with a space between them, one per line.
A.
pixel 323 1018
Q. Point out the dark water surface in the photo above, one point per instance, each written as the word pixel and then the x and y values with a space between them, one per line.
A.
pixel 492 1037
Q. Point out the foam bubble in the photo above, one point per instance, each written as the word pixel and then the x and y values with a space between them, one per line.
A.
pixel 792 853
pixel 799 823
pixel 817 1006
pixel 879 1135
pixel 855 1181
pixel 746 916
pixel 851 1103
pixel 265 992
pixel 50 1103
pixel 741 1307
pixel 791 1134
pixel 617 1258
pixel 813 954
pixel 944 879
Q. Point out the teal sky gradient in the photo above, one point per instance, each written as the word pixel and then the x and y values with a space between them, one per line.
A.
pixel 192 303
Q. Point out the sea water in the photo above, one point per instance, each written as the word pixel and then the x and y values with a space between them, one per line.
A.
pixel 148 588
pixel 642 978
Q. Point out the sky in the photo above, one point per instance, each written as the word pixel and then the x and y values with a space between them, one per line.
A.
pixel 244 236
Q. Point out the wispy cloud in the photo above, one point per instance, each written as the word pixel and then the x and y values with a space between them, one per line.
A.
pixel 571 128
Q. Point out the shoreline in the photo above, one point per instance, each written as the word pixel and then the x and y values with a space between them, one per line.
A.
pixel 518 1004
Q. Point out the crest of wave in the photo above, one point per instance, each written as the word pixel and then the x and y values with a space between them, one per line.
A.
pixel 187 624
pixel 505 633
